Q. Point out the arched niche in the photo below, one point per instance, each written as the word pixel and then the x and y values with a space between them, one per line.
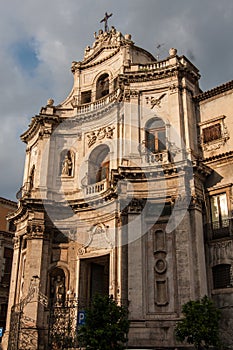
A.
pixel 66 163
pixel 57 286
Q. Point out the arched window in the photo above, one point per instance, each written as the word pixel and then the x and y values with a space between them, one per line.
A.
pixel 155 135
pixel 98 164
pixel 102 86
pixel 222 276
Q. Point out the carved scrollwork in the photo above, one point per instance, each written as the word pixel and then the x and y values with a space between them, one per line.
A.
pixel 98 237
pixel 155 101
pixel 16 241
pixel 135 206
pixel 35 231
pixel 100 134
pixel 81 251
pixel 221 252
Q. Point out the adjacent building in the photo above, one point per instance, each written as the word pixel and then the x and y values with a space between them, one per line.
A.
pixel 127 191
pixel 6 254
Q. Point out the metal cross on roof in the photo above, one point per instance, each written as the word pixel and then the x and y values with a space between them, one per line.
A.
pixel 105 20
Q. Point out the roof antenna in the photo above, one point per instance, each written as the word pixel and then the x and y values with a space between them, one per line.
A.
pixel 158 50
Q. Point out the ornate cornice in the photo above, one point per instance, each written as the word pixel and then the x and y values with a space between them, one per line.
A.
pixel 88 203
pixel 88 63
pixel 201 168
pixel 25 205
pixel 214 92
pixel 161 69
pixel 219 157
pixel 36 123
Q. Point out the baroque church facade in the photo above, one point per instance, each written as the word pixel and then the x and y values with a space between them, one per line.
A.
pixel 127 191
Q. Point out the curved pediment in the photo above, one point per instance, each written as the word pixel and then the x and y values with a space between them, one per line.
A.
pixel 106 45
pixel 109 56
pixel 105 42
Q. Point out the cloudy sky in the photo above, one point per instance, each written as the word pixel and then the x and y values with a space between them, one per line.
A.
pixel 40 39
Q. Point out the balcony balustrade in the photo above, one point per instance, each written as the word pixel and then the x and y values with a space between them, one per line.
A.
pixel 96 188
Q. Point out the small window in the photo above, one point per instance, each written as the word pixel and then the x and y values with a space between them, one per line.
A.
pixel 219 211
pixel 222 276
pixel 212 133
pixel 86 97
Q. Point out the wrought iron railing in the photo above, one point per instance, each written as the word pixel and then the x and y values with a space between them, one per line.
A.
pixel 219 229
pixel 21 336
pixel 63 321
pixel 62 332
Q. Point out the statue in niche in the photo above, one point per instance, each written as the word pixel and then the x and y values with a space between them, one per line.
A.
pixel 58 290
pixel 67 166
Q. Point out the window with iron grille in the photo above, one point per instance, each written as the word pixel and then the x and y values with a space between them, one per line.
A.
pixel 222 276
pixel 8 256
pixel 212 133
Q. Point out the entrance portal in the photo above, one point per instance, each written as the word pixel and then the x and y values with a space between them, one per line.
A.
pixel 93 278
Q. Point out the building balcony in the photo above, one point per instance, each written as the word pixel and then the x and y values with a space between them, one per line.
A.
pixel 96 188
pixel 216 229
pixel 98 104
pixel 153 158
